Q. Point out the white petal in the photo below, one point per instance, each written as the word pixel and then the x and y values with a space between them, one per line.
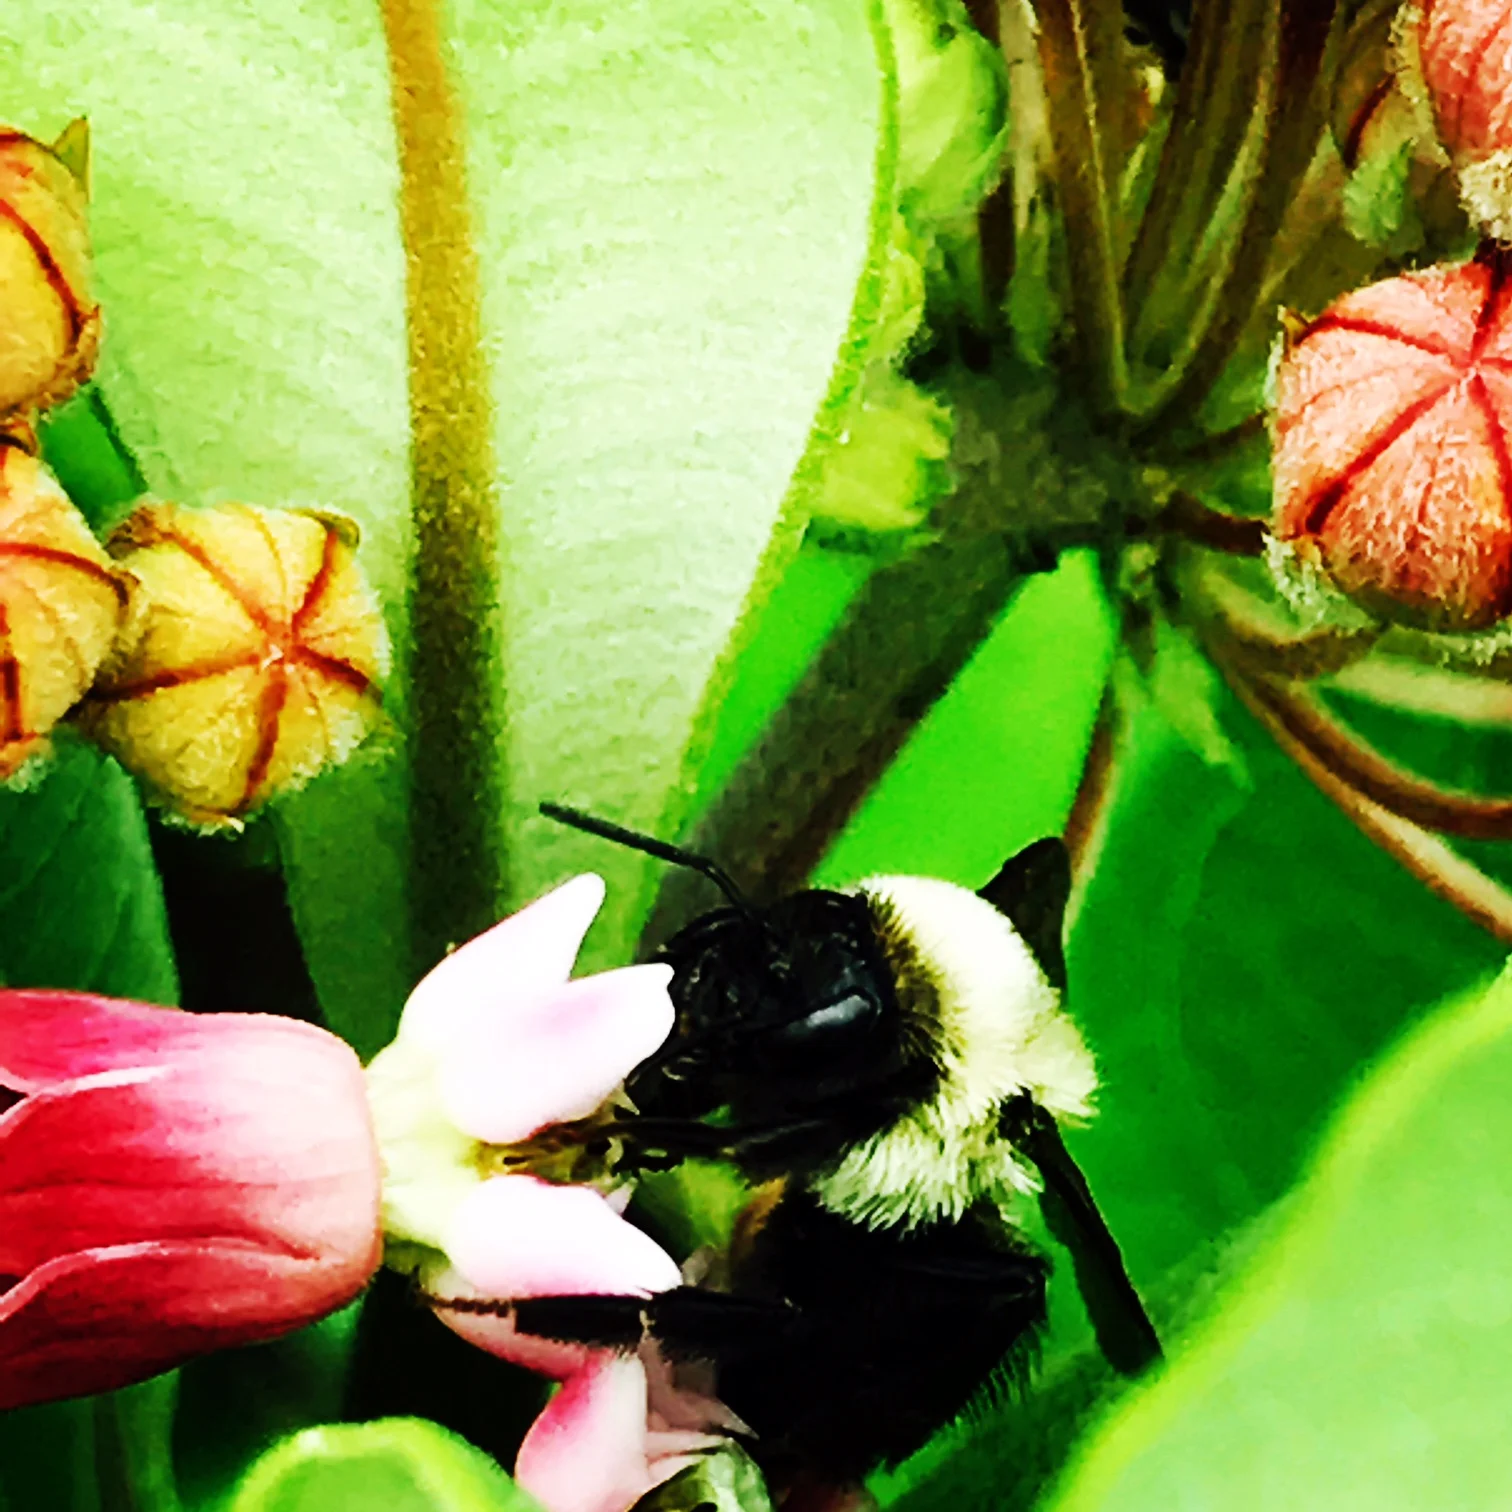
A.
pixel 505 969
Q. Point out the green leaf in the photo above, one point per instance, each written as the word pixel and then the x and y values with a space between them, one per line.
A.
pixel 996 762
pixel 236 1404
pixel 80 904
pixel 397 1464
pixel 1363 1360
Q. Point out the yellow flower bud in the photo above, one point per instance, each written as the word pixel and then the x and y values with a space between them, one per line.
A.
pixel 49 323
pixel 250 658
pixel 61 604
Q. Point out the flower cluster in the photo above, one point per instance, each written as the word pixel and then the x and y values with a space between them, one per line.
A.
pixel 227 653
pixel 1392 457
pixel 175 1182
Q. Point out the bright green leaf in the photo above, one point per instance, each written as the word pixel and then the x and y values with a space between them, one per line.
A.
pixel 236 1404
pixel 996 762
pixel 397 1464
pixel 1236 956
pixel 1365 1359
pixel 80 904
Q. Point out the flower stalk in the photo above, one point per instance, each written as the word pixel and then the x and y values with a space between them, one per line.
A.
pixel 454 686
pixel 1080 45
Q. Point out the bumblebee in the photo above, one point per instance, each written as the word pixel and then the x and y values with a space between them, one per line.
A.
pixel 888 1064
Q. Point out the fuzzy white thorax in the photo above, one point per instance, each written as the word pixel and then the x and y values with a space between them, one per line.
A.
pixel 996 1028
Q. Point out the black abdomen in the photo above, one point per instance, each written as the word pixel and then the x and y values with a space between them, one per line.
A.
pixel 891 1333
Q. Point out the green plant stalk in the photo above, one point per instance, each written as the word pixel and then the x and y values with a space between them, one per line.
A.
pixel 1458 881
pixel 908 632
pixel 1294 126
pixel 1078 50
pixel 454 676
pixel 1215 101
pixel 133 1434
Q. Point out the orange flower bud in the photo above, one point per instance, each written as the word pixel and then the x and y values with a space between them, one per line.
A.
pixel 1392 461
pixel 61 604
pixel 49 324
pixel 250 657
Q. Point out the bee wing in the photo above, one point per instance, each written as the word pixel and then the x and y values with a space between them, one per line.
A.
pixel 1032 889
pixel 1124 1332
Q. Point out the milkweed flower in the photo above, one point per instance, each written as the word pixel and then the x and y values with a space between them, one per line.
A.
pixel 1392 459
pixel 171 1183
pixel 499 1065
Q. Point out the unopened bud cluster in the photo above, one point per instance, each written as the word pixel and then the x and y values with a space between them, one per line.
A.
pixel 1392 421
pixel 223 654
pixel 1456 62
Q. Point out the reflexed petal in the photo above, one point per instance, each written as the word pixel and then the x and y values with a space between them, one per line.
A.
pixel 261 1138
pixel 587 1451
pixel 48 1037
pixel 105 1318
pixel 507 967
pixel 518 1237
pixel 516 1073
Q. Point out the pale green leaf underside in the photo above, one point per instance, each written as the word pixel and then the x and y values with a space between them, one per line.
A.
pixel 676 203
pixel 398 1464
pixel 1365 1359
pixel 678 200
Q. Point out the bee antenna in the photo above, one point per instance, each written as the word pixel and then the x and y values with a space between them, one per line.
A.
pixel 632 840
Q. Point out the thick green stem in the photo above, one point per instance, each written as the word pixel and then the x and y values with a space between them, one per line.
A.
pixel 907 634
pixel 454 682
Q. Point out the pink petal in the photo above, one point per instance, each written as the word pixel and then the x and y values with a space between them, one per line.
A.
pixel 510 965
pixel 257 1138
pixel 48 1037
pixel 104 1318
pixel 515 1236
pixel 560 1058
pixel 587 1451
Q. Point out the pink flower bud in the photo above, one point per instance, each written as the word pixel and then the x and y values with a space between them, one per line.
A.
pixel 1459 52
pixel 49 323
pixel 171 1183
pixel 61 603
pixel 1391 450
